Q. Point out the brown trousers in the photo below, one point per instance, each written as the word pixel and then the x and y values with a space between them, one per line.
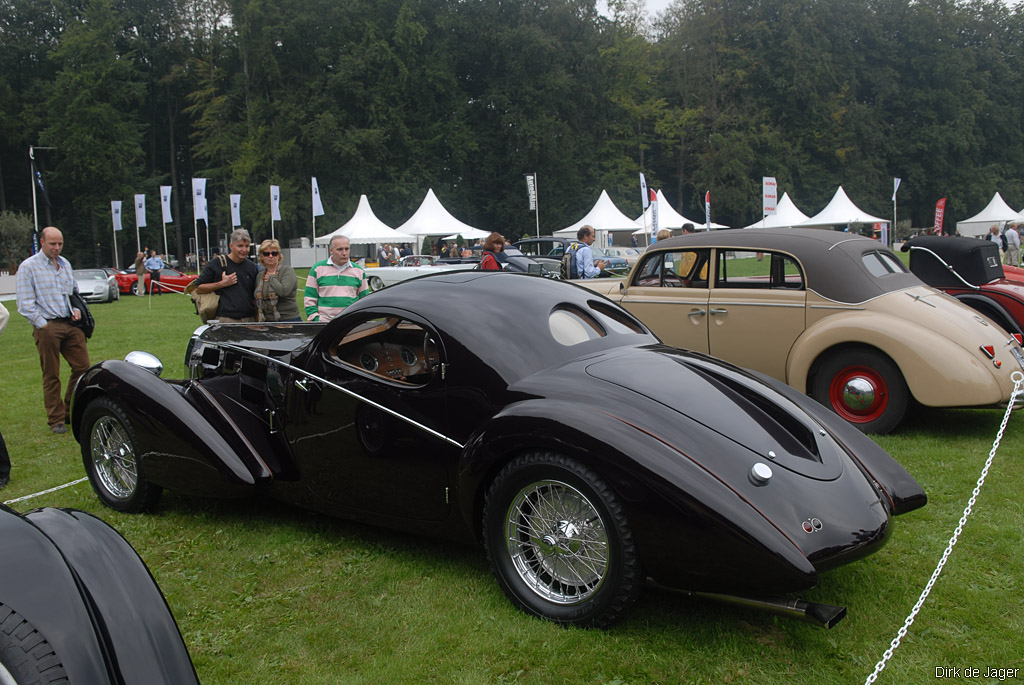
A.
pixel 56 339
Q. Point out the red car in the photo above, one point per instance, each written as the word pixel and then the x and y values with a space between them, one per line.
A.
pixel 970 270
pixel 173 280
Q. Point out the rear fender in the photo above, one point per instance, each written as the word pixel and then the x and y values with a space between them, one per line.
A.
pixel 902 491
pixel 672 504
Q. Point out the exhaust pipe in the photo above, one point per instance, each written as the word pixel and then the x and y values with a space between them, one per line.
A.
pixel 821 615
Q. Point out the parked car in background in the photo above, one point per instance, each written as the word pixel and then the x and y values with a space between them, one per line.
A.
pixel 519 411
pixel 630 254
pixel 172 261
pixel 172 278
pixel 96 285
pixel 970 270
pixel 833 315
pixel 548 250
pixel 408 267
pixel 78 605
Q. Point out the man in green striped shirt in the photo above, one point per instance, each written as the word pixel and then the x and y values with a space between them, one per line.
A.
pixel 334 283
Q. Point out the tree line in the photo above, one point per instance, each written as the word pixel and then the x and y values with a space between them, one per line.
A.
pixel 391 97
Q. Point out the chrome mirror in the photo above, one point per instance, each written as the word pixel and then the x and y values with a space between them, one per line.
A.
pixel 146 360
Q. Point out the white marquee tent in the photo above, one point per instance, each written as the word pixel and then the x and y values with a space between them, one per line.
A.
pixel 433 219
pixel 604 216
pixel 668 217
pixel 786 215
pixel 365 228
pixel 841 211
pixel 995 214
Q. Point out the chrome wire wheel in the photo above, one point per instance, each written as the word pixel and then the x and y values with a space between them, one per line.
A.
pixel 557 542
pixel 113 457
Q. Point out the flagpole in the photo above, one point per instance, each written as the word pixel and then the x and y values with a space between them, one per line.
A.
pixel 32 182
pixel 165 239
pixel 116 264
pixel 195 227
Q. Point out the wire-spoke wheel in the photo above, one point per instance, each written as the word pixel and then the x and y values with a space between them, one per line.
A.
pixel 559 543
pixel 111 460
pixel 375 283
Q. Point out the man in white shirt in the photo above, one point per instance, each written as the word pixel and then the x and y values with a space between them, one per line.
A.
pixel 1012 244
pixel 586 267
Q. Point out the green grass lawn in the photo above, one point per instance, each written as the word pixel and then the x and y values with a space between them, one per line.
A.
pixel 271 594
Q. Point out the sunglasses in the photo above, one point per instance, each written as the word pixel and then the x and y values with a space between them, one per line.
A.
pixel 270 253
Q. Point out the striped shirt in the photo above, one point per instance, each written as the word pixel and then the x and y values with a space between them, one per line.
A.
pixel 43 289
pixel 330 288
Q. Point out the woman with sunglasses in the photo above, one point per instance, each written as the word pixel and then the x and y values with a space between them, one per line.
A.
pixel 275 286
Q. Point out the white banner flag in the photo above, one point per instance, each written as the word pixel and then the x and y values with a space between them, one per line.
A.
pixel 165 203
pixel 318 207
pixel 643 192
pixel 236 210
pixel 275 203
pixel 653 217
pixel 895 187
pixel 140 211
pixel 115 213
pixel 707 209
pixel 199 199
pixel 531 191
pixel 770 193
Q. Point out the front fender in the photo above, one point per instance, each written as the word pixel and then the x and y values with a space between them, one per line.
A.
pixel 938 371
pixel 178 445
pixel 674 505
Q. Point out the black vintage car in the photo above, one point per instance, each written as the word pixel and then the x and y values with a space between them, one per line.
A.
pixel 78 605
pixel 525 413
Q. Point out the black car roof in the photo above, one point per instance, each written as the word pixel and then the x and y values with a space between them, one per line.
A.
pixel 977 261
pixel 831 260
pixel 504 318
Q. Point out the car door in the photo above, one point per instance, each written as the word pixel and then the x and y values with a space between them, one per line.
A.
pixel 669 292
pixel 756 309
pixel 368 430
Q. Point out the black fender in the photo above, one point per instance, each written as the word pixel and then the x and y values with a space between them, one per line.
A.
pixel 180 446
pixel 688 505
pixel 87 592
pixel 901 490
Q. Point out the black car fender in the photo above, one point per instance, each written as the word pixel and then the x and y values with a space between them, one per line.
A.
pixel 180 447
pixel 687 506
pixel 902 492
pixel 82 586
pixel 990 307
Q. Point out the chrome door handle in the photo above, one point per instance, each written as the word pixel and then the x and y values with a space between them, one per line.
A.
pixel 698 312
pixel 719 311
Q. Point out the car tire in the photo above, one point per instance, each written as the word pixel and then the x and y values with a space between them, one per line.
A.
pixel 25 655
pixel 559 543
pixel 375 283
pixel 117 295
pixel 864 387
pixel 134 290
pixel 111 460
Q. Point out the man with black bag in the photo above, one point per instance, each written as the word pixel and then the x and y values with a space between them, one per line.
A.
pixel 45 285
pixel 234 279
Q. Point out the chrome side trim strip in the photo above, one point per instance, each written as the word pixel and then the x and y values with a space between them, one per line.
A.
pixel 343 390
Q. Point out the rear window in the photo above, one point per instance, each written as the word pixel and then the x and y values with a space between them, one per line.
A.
pixel 571 325
pixel 880 263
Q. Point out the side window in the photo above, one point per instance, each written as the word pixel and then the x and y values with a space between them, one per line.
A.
pixel 556 249
pixel 678 269
pixel 532 249
pixel 390 347
pixel 758 270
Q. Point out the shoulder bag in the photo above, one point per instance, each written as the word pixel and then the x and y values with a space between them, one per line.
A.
pixel 206 303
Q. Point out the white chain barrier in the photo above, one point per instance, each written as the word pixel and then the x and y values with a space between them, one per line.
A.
pixel 1018 379
pixel 45 492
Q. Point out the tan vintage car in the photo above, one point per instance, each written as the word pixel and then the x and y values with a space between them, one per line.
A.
pixel 834 315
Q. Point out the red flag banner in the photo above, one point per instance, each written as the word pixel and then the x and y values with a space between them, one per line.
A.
pixel 940 211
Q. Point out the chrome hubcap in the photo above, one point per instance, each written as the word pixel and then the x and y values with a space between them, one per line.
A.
pixel 114 458
pixel 858 393
pixel 557 542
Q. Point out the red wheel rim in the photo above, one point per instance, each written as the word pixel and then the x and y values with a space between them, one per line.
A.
pixel 859 394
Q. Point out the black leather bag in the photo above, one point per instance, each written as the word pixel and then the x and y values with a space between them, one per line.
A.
pixel 86 322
